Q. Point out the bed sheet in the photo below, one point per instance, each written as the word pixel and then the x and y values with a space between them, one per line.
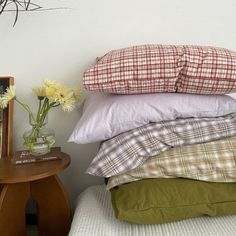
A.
pixel 94 216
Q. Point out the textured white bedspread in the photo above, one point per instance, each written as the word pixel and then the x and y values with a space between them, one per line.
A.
pixel 94 217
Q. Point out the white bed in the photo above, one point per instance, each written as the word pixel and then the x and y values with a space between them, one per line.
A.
pixel 94 217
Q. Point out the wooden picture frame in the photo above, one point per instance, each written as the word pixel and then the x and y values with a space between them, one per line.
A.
pixel 6 121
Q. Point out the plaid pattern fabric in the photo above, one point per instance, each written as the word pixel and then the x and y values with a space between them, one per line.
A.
pixel 130 149
pixel 213 162
pixel 164 68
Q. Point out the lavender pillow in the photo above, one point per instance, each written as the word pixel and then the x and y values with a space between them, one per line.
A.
pixel 107 115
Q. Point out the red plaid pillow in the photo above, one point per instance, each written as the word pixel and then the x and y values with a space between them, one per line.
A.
pixel 163 68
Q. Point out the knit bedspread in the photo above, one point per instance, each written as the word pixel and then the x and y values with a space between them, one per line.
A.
pixel 94 216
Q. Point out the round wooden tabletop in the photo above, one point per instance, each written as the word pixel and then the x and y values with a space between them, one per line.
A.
pixel 11 173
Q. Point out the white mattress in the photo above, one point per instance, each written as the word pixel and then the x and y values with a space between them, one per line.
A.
pixel 94 217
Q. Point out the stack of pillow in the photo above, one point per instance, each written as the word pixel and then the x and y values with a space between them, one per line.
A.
pixel 168 132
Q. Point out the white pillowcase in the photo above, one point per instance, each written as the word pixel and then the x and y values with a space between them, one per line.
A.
pixel 106 115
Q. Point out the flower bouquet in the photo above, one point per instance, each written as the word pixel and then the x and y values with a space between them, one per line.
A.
pixel 39 139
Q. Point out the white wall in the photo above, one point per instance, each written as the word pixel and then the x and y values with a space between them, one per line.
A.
pixel 61 44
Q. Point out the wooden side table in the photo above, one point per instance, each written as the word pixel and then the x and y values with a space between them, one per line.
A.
pixel 37 181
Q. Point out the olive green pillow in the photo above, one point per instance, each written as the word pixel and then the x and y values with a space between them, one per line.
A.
pixel 156 201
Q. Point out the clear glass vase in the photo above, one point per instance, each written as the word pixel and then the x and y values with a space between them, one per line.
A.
pixel 39 139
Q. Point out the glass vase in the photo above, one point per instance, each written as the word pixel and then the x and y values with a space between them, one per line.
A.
pixel 39 139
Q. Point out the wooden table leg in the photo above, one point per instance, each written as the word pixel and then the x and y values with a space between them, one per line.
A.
pixel 54 215
pixel 13 200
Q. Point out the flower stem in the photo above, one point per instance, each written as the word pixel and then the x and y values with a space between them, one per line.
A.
pixel 39 109
pixel 27 108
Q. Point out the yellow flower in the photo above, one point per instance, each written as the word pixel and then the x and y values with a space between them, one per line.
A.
pixel 49 83
pixel 40 91
pixel 62 95
pixel 7 96
pixel 68 105
pixel 78 93
pixel 65 97
pixel 51 89
pixel 51 93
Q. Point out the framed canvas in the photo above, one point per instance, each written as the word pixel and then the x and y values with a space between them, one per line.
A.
pixel 6 120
